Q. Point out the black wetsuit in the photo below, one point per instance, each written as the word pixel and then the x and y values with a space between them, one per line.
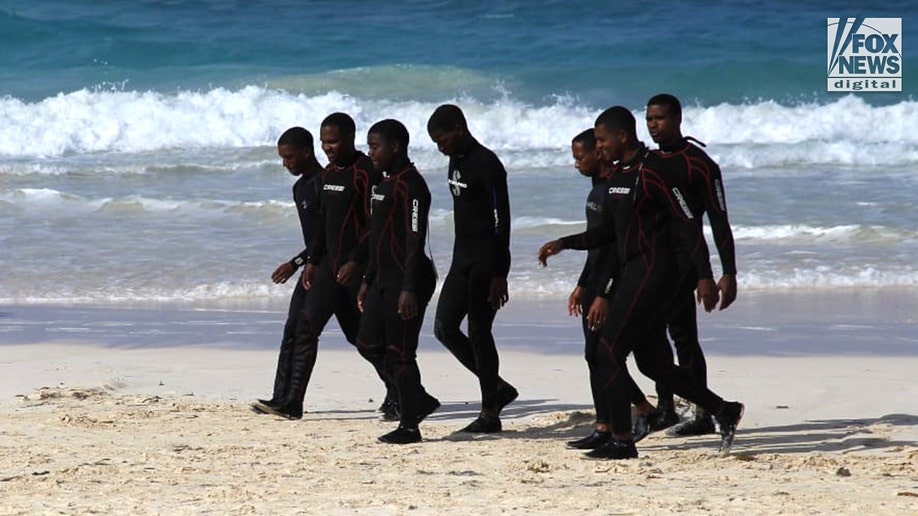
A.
pixel 481 252
pixel 306 198
pixel 342 227
pixel 651 208
pixel 596 279
pixel 705 194
pixel 397 263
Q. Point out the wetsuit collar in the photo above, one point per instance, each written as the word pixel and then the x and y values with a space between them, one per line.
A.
pixel 637 159
pixel 675 146
pixel 470 144
pixel 356 155
pixel 401 165
pixel 680 144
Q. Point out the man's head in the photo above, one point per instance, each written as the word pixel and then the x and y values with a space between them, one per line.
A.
pixel 615 132
pixel 337 135
pixel 447 128
pixel 586 156
pixel 387 141
pixel 664 118
pixel 295 150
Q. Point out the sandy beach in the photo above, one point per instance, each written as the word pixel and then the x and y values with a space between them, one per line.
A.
pixel 92 424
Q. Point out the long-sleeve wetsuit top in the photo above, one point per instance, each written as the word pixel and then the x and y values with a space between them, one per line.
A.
pixel 481 210
pixel 398 231
pixel 705 194
pixel 306 198
pixel 344 213
pixel 657 208
pixel 602 262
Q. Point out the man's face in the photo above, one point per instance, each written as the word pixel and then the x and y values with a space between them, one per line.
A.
pixel 335 144
pixel 381 152
pixel 448 141
pixel 586 161
pixel 610 144
pixel 295 160
pixel 661 124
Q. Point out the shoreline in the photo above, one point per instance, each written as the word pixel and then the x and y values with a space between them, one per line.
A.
pixel 849 322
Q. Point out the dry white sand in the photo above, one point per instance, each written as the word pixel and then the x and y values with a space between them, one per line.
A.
pixel 90 427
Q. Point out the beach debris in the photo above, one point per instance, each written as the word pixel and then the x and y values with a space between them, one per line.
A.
pixel 49 393
pixel 843 472
pixel 538 466
pixel 907 493
pixel 782 406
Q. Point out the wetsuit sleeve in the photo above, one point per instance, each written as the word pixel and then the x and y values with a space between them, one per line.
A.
pixel 300 259
pixel 496 185
pixel 607 273
pixel 369 273
pixel 686 228
pixel 416 211
pixel 599 236
pixel 716 206
pixel 584 274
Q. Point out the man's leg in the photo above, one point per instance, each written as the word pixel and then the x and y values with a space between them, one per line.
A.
pixel 282 373
pixel 371 343
pixel 349 320
pixel 452 307
pixel 317 310
pixel 683 328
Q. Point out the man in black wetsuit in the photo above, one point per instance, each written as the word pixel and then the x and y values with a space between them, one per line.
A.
pixel 476 284
pixel 295 148
pixel 589 299
pixel 332 274
pixel 400 278
pixel 704 194
pixel 648 208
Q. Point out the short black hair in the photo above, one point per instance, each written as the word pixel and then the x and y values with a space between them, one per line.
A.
pixel 391 130
pixel 587 139
pixel 446 118
pixel 618 118
pixel 296 137
pixel 665 99
pixel 342 121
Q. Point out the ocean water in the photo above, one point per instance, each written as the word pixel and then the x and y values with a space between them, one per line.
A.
pixel 137 157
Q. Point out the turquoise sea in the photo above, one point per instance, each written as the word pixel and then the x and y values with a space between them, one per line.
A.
pixel 137 158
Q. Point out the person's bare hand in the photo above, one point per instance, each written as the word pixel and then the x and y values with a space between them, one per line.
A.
pixel 549 249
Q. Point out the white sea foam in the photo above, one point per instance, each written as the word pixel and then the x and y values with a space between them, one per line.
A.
pixel 523 285
pixel 764 134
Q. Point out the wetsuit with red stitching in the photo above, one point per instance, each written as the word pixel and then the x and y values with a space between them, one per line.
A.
pixel 481 252
pixel 644 286
pixel 397 263
pixel 343 226
pixel 705 194
pixel 597 279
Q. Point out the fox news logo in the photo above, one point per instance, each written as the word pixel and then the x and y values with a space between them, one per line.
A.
pixel 865 54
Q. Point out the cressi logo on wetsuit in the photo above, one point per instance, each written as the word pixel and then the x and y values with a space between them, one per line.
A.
pixel 682 204
pixel 455 183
